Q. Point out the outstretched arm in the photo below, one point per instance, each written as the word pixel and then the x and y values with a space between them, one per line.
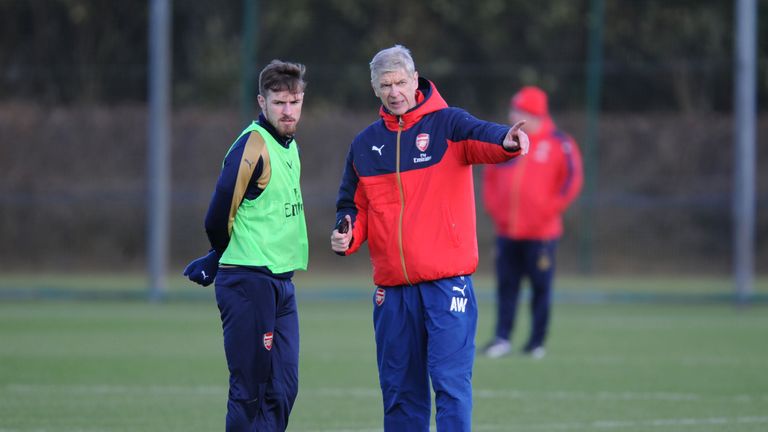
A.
pixel 486 142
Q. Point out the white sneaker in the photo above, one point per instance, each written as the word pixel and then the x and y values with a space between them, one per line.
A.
pixel 537 353
pixel 498 348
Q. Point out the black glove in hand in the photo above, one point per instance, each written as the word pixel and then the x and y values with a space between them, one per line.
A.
pixel 203 270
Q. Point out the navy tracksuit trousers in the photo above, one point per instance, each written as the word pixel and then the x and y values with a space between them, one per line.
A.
pixel 426 332
pixel 516 259
pixel 261 343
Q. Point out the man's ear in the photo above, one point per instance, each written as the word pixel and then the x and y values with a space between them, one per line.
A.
pixel 262 102
pixel 375 91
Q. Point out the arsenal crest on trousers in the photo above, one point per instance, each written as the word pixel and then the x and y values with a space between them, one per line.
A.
pixel 380 293
pixel 268 341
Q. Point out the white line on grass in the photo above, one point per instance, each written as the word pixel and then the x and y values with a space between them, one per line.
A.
pixel 172 390
pixel 366 392
pixel 704 361
pixel 371 392
pixel 343 392
pixel 105 389
pixel 574 395
pixel 57 429
pixel 622 424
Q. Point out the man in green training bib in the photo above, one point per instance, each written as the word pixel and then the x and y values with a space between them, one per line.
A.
pixel 258 235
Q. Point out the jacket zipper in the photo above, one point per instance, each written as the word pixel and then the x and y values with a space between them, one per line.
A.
pixel 402 201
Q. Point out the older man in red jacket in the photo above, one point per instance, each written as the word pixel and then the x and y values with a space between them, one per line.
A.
pixel 526 198
pixel 407 191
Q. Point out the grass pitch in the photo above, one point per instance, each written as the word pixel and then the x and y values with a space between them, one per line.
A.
pixel 90 366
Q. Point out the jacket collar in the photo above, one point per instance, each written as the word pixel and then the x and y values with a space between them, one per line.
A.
pixel 284 141
pixel 428 100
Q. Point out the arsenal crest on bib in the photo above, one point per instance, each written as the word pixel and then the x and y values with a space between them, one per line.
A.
pixel 380 293
pixel 268 341
pixel 422 141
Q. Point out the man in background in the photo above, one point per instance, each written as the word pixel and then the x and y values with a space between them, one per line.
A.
pixel 258 235
pixel 526 198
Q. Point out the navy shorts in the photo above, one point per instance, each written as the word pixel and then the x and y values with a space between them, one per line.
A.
pixel 261 342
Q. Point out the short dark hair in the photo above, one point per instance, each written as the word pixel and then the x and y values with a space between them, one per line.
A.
pixel 281 76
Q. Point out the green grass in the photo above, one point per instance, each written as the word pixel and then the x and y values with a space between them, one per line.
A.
pixel 324 284
pixel 91 366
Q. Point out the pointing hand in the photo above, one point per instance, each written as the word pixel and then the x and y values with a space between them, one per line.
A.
pixel 517 139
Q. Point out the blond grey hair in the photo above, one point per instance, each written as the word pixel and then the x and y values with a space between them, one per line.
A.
pixel 392 59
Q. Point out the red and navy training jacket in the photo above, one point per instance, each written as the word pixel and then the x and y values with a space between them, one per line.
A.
pixel 408 187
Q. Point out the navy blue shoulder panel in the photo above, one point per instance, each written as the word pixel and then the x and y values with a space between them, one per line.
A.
pixel 423 145
pixel 375 148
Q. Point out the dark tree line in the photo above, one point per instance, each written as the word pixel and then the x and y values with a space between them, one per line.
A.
pixel 659 54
